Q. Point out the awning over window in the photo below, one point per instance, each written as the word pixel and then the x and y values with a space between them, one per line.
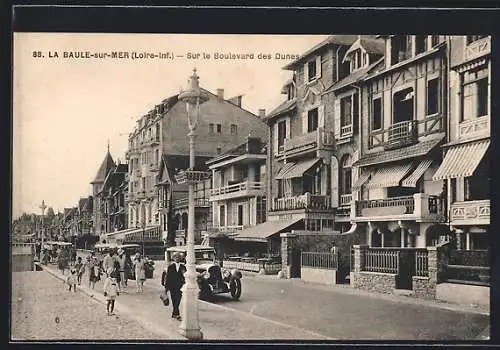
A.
pixel 389 176
pixel 283 170
pixel 412 179
pixel 461 160
pixel 299 169
pixel 263 231
pixel 361 180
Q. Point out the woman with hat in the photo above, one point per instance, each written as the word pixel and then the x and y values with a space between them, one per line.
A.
pixel 122 260
pixel 140 271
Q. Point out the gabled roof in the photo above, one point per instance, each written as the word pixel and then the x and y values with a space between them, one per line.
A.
pixel 284 107
pixel 173 163
pixel 107 165
pixel 81 203
pixel 331 40
pixel 369 44
pixel 356 76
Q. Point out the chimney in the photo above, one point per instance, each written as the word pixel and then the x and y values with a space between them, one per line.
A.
pixel 236 100
pixel 220 93
pixel 262 112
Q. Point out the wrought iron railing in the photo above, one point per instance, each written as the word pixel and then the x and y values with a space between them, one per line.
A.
pixel 345 199
pixel 304 201
pixel 422 263
pixel 319 260
pixel 381 260
pixel 406 201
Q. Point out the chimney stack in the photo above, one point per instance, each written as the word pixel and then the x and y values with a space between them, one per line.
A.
pixel 220 93
pixel 262 112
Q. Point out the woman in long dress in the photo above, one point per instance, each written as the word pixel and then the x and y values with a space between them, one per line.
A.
pixel 140 272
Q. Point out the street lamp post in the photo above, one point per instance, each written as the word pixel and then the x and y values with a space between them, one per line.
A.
pixel 143 233
pixel 193 97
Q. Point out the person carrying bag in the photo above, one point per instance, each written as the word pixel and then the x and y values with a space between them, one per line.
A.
pixel 164 294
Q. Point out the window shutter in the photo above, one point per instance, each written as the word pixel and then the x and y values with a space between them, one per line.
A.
pixel 321 116
pixel 336 118
pixel 288 129
pixel 318 67
pixel 306 73
pixel 275 138
pixel 304 122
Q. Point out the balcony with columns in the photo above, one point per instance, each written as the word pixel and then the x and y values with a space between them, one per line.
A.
pixel 238 190
pixel 419 207
pixel 304 201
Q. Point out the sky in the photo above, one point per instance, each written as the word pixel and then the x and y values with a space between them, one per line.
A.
pixel 66 109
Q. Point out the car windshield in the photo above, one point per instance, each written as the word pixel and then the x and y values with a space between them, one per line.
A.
pixel 204 257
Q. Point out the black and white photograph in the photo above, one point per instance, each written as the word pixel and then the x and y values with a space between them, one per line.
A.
pixel 190 187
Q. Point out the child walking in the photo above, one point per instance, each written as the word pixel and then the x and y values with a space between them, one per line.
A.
pixel 111 289
pixel 71 280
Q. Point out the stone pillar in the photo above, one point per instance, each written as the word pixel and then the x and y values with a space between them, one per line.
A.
pixel 287 240
pixel 359 256
pixel 467 240
pixel 432 255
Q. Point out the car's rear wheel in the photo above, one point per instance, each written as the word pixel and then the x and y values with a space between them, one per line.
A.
pixel 235 289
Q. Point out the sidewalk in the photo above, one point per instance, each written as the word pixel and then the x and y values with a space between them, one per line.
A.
pixel 217 322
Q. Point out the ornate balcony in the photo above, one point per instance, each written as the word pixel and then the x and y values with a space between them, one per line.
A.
pixel 420 207
pixel 475 128
pixel 470 213
pixel 345 199
pixel 304 201
pixel 154 167
pixel 198 203
pixel 241 189
pixel 316 140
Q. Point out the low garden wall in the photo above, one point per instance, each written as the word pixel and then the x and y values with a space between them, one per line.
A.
pixel 374 281
pixel 317 275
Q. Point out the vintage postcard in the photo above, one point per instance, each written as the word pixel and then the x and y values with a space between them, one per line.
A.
pixel 180 187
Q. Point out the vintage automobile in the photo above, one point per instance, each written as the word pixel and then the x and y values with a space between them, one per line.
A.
pixel 211 278
pixel 130 250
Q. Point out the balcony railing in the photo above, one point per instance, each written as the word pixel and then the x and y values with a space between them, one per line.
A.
pixel 230 228
pixel 471 212
pixel 419 206
pixel 478 48
pixel 346 130
pixel 239 187
pixel 406 133
pixel 345 199
pixel 198 202
pixel 304 201
pixel 479 127
pixel 318 139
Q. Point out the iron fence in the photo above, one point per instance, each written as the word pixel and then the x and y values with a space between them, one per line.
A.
pixel 381 260
pixel 422 263
pixel 319 260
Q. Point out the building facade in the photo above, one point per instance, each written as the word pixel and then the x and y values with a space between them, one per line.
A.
pixel 107 166
pixel 466 164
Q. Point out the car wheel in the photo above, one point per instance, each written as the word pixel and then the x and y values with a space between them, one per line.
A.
pixel 235 289
pixel 205 292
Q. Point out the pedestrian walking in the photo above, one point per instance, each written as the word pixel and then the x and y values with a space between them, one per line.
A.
pixel 111 289
pixel 108 261
pixel 79 270
pixel 62 260
pixel 122 260
pixel 140 272
pixel 92 266
pixel 173 280
pixel 71 280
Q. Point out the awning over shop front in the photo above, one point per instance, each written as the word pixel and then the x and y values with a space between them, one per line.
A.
pixel 461 160
pixel 261 232
pixel 361 180
pixel 412 179
pixel 298 169
pixel 389 176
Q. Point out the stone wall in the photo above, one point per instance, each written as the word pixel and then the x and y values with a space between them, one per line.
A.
pixel 374 281
pixel 423 288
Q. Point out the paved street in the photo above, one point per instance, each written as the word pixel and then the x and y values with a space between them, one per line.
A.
pixel 291 309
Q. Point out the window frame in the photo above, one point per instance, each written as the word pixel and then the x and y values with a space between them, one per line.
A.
pixel 372 126
pixel 219 128
pixel 315 117
pixel 311 63
pixel 430 79
pixel 234 129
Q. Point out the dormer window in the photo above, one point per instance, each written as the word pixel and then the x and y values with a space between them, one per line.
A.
pixel 311 70
pixel 358 59
pixel 420 44
pixel 291 92
pixel 401 48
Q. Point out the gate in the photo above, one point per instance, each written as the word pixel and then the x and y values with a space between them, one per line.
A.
pixel 295 263
pixel 407 269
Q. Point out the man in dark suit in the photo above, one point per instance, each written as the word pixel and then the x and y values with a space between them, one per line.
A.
pixel 173 280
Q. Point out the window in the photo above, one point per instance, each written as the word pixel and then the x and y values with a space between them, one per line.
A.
pixel 475 94
pixel 311 69
pixel 312 120
pixel 400 48
pixel 157 156
pixel 219 150
pixel 261 210
pixel 234 129
pixel 291 92
pixel 211 128
pixel 222 216
pixel 472 38
pixel 240 215
pixel 219 128
pixel 345 111
pixel 420 44
pixel 433 96
pixel 403 106
pixel 281 133
pixel 346 175
pixel 377 114
pixel 143 179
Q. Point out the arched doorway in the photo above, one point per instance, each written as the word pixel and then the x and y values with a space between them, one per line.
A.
pixel 436 234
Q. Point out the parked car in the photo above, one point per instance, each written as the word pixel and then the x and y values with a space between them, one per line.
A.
pixel 211 277
pixel 130 250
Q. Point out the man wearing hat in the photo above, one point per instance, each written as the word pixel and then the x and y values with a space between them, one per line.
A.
pixel 173 280
pixel 122 259
pixel 109 260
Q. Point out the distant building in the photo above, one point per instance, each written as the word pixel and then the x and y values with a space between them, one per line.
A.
pixel 107 165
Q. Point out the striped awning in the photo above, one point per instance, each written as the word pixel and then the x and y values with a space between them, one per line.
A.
pixel 461 160
pixel 300 168
pixel 283 170
pixel 389 176
pixel 361 180
pixel 412 179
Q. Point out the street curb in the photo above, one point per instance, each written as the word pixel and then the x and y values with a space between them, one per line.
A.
pixel 96 296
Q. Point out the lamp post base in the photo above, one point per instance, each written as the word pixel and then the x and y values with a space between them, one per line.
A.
pixel 192 334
